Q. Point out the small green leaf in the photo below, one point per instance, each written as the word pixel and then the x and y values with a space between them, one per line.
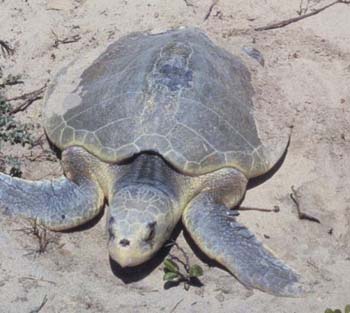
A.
pixel 347 309
pixel 170 266
pixel 195 271
pixel 171 276
pixel 337 311
pixel 328 311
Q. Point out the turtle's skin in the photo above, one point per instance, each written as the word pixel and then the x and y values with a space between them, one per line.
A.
pixel 162 127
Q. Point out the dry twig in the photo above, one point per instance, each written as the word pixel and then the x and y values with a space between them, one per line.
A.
pixel 185 264
pixel 176 305
pixel 41 234
pixel 275 209
pixel 303 216
pixel 11 81
pixel 28 98
pixel 44 155
pixel 39 141
pixel 65 40
pixel 214 3
pixel 38 279
pixel 188 3
pixel 300 17
pixel 6 50
pixel 303 9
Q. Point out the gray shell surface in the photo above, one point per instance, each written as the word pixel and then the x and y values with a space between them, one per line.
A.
pixel 174 93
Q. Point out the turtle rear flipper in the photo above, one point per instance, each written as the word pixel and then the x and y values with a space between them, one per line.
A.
pixel 231 244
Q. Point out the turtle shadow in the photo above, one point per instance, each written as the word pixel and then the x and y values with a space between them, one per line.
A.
pixel 200 254
pixel 205 259
pixel 136 273
pixel 89 224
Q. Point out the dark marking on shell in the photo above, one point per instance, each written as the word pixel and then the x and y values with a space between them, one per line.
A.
pixel 172 68
pixel 174 77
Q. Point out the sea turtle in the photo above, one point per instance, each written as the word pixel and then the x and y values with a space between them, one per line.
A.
pixel 161 126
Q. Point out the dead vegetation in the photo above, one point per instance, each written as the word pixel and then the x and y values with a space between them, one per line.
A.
pixel 5 49
pixel 28 99
pixel 302 216
pixel 213 4
pixel 177 270
pixel 65 40
pixel 10 80
pixel 301 15
pixel 43 237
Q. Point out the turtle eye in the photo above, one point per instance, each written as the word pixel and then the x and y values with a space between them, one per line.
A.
pixel 151 231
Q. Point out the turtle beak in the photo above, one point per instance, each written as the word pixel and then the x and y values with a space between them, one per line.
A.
pixel 123 253
pixel 125 260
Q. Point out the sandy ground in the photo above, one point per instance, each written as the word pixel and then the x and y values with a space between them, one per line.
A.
pixel 309 61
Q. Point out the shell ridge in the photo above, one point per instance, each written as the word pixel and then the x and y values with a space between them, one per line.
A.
pixel 222 118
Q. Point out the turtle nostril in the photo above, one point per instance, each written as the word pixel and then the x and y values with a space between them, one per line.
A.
pixel 124 242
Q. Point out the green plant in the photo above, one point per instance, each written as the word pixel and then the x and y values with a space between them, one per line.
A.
pixel 11 130
pixel 178 271
pixel 9 80
pixel 15 166
pixel 346 310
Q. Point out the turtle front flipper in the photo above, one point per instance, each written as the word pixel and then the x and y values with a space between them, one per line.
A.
pixel 215 230
pixel 58 204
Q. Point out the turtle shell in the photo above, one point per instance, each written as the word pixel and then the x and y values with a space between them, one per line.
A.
pixel 174 93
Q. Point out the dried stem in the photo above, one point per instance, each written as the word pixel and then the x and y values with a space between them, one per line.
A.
pixel 6 49
pixel 243 208
pixel 176 305
pixel 28 98
pixel 214 3
pixel 11 81
pixel 188 3
pixel 185 264
pixel 303 9
pixel 300 17
pixel 65 40
pixel 40 233
pixel 303 216
pixel 38 279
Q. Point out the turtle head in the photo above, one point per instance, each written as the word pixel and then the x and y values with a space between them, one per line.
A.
pixel 140 220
